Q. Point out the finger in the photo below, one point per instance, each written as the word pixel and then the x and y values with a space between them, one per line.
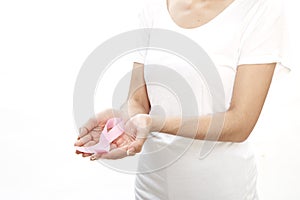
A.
pixel 90 143
pixel 83 140
pixel 86 154
pixel 117 153
pixel 82 132
pixel 95 156
pixel 87 127
pixel 78 152
pixel 113 146
pixel 136 146
pixel 83 154
pixel 119 141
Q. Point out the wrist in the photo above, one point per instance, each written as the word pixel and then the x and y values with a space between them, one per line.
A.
pixel 157 123
pixel 153 123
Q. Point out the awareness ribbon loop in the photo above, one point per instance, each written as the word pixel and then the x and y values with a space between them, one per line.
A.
pixel 113 128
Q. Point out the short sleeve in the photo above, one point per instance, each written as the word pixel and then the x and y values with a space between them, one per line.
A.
pixel 143 21
pixel 264 39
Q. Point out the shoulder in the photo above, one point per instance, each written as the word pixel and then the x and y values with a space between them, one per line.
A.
pixel 260 12
pixel 272 8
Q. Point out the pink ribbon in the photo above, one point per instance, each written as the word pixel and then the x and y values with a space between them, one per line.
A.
pixel 113 128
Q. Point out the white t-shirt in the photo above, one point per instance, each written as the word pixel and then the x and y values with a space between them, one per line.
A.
pixel 246 32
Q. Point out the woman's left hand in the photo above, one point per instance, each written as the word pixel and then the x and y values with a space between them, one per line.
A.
pixel 131 142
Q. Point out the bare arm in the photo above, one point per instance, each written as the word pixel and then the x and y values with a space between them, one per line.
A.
pixel 137 101
pixel 251 86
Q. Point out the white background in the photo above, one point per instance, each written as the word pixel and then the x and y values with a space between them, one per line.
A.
pixel 42 47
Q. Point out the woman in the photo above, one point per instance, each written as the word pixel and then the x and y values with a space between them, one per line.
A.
pixel 244 38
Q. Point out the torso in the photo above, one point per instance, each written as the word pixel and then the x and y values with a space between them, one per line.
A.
pixel 193 13
pixel 229 168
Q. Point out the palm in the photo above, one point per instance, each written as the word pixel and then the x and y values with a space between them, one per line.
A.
pixel 136 131
pixel 90 132
pixel 92 137
pixel 123 140
pixel 118 148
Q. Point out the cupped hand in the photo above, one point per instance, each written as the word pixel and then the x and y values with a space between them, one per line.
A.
pixel 90 132
pixel 131 142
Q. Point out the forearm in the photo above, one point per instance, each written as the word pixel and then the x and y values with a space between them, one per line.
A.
pixel 250 89
pixel 133 107
pixel 227 127
pixel 137 101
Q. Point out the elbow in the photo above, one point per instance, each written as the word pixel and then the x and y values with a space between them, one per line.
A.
pixel 141 103
pixel 241 127
pixel 242 137
pixel 240 134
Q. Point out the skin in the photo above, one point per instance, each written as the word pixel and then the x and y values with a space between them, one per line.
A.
pixel 136 104
pixel 195 13
pixel 251 86
pixel 250 89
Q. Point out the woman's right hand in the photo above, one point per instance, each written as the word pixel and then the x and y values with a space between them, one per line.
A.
pixel 89 133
